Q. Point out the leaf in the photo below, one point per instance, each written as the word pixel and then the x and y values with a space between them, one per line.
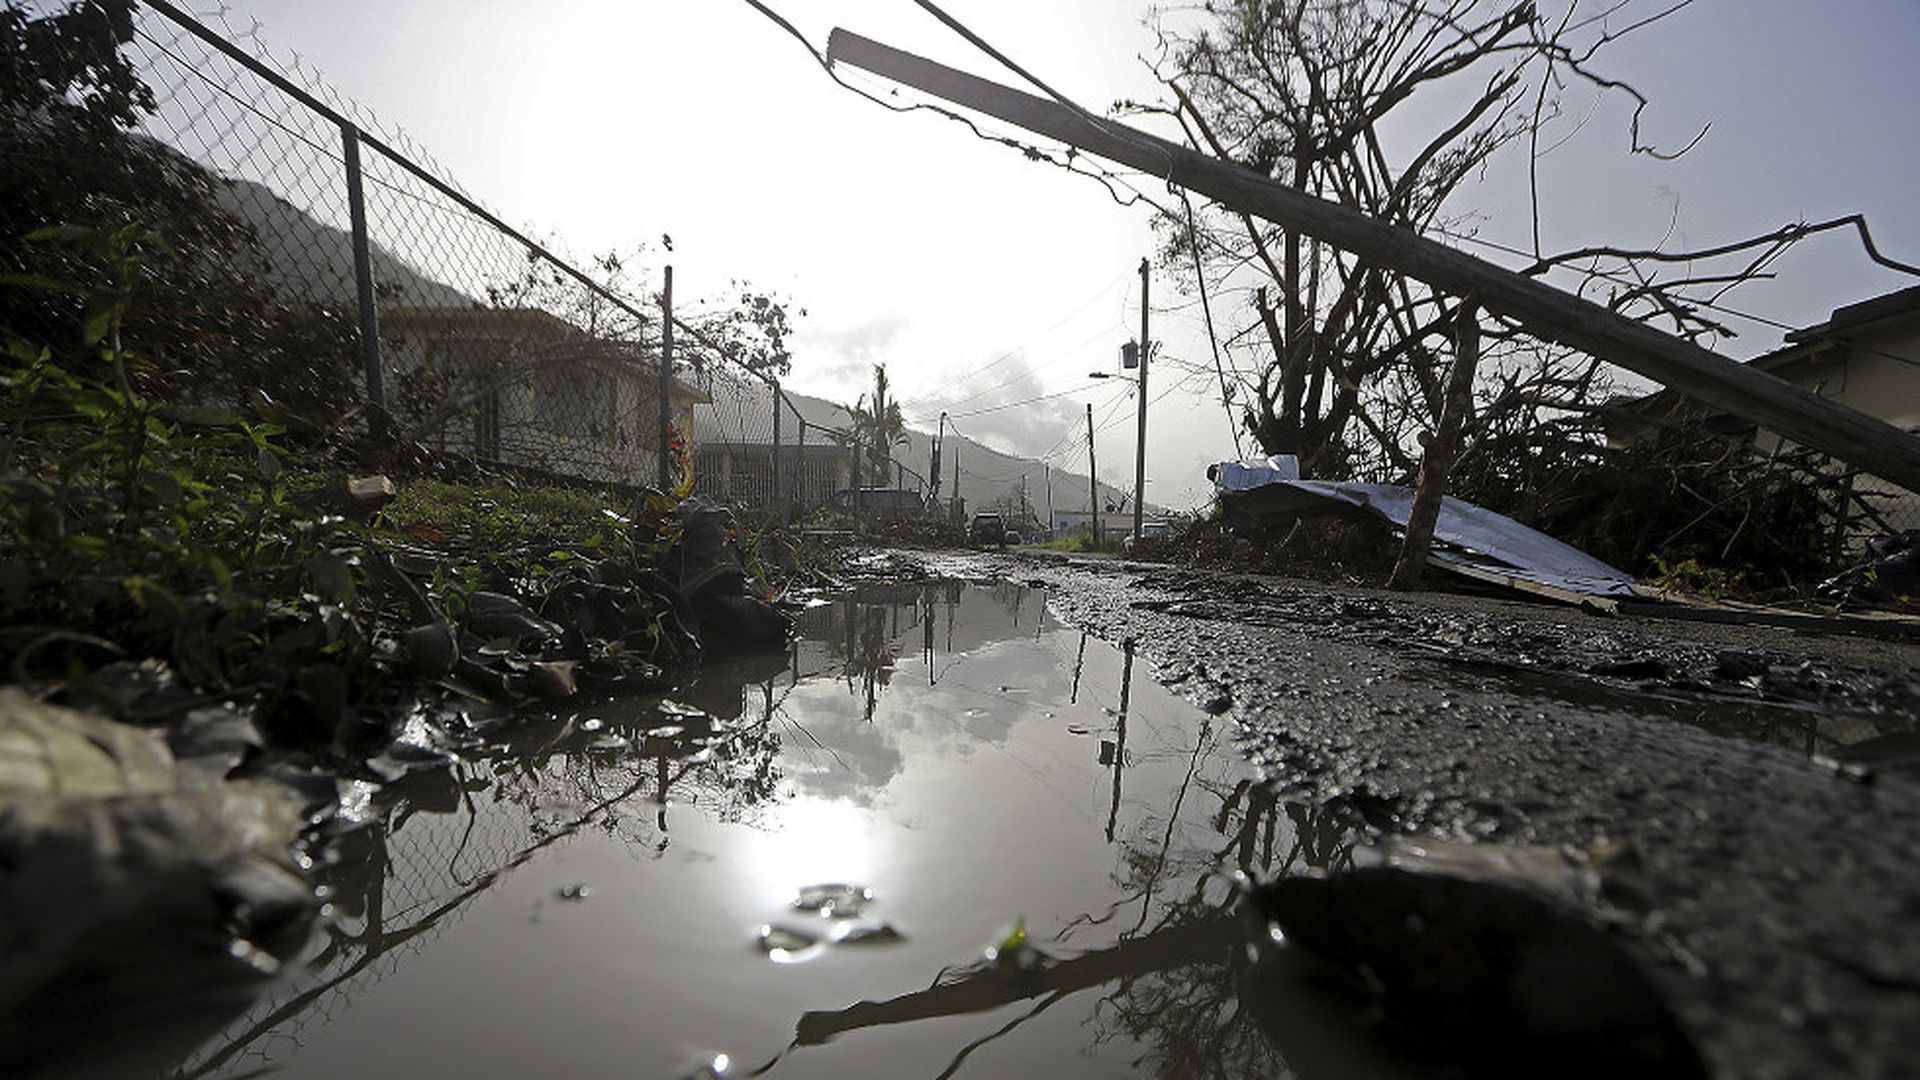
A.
pixel 332 576
pixel 164 485
pixel 14 582
pixel 267 464
pixel 41 281
pixel 199 415
pixel 67 234
pixel 99 320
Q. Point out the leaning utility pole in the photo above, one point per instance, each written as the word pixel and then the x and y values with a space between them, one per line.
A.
pixel 1093 483
pixel 1546 312
pixel 1140 443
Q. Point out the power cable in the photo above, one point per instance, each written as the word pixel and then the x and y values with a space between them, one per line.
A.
pixel 1711 305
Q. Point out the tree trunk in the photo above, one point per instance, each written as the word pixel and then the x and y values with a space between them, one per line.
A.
pixel 1441 448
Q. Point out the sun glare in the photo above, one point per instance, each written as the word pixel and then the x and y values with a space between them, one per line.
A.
pixel 810 841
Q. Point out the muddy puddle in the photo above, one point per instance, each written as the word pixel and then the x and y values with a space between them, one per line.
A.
pixel 800 867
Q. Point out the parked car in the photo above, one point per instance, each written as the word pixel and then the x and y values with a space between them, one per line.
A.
pixel 1150 531
pixel 987 529
pixel 878 502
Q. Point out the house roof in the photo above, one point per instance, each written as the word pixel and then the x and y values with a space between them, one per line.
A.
pixel 1842 324
pixel 1860 316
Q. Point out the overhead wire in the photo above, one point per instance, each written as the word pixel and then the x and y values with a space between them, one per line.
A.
pixel 1710 305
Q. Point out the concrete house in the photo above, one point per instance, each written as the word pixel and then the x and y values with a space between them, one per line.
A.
pixel 522 387
pixel 1866 355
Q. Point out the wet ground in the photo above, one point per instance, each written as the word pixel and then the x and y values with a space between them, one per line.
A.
pixel 983 820
pixel 796 868
pixel 1760 786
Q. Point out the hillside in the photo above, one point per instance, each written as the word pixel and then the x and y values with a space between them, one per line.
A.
pixel 741 413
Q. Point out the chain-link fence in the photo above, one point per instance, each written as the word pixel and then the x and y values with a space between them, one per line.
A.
pixel 309 265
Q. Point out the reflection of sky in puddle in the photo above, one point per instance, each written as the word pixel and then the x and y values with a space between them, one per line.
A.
pixel 954 747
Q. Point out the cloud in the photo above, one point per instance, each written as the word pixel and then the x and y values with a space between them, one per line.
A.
pixel 1024 426
pixel 839 358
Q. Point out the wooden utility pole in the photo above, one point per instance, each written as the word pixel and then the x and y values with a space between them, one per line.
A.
pixel 933 464
pixel 1140 441
pixel 1093 483
pixel 1546 312
pixel 666 380
pixel 1046 477
pixel 1442 447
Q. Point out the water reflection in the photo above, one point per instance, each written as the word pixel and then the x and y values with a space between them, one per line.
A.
pixel 975 761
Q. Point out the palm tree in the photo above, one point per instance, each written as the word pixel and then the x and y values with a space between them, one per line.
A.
pixel 878 427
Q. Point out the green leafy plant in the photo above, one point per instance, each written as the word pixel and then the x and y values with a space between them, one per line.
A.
pixel 1688 576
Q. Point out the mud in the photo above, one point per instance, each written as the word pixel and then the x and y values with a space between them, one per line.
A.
pixel 1776 890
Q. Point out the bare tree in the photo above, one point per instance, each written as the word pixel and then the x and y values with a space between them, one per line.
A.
pixel 1395 107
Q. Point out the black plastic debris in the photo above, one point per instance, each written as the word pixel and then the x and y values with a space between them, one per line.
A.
pixel 1482 978
pixel 717 595
pixel 1889 575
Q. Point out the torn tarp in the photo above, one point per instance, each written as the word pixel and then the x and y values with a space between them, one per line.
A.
pixel 1468 539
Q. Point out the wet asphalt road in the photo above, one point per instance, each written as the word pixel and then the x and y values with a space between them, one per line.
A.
pixel 1776 897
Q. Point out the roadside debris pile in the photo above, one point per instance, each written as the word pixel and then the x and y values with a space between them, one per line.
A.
pixel 1888 576
pixel 1468 540
pixel 133 867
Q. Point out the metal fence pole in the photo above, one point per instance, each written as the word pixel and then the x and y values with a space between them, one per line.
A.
pixel 666 379
pixel 363 285
pixel 775 470
pixel 798 489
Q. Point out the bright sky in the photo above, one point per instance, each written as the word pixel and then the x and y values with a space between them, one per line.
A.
pixel 982 279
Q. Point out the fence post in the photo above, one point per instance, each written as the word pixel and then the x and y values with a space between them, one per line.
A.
pixel 797 491
pixel 774 499
pixel 666 380
pixel 363 286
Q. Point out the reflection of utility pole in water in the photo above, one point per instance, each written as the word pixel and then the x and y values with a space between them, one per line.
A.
pixel 1073 696
pixel 1120 735
pixel 926 633
pixel 953 605
pixel 661 817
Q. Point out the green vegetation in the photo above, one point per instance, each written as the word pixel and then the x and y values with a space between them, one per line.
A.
pixel 1081 541
pixel 157 555
pixel 185 512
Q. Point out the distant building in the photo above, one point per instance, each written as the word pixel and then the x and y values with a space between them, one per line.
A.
pixel 1111 525
pixel 739 451
pixel 522 387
